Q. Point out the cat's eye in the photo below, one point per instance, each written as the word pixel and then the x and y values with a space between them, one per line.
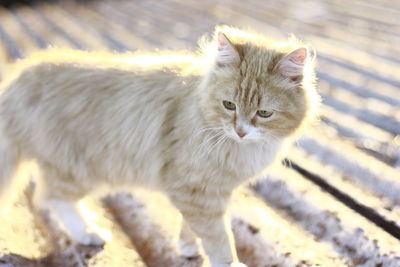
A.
pixel 264 113
pixel 229 105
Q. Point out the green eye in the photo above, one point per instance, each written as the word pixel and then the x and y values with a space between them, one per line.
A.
pixel 229 105
pixel 264 113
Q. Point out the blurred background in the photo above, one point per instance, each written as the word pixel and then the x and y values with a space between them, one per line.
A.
pixel 335 202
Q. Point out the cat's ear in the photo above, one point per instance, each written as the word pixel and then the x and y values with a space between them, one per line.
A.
pixel 292 65
pixel 227 53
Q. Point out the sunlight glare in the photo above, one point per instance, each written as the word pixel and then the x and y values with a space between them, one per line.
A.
pixel 94 219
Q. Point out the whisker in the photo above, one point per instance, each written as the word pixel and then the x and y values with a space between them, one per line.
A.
pixel 206 141
pixel 218 138
pixel 216 143
pixel 203 130
pixel 275 138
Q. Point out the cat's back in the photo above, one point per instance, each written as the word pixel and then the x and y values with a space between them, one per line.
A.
pixel 66 83
pixel 73 76
pixel 59 66
pixel 79 104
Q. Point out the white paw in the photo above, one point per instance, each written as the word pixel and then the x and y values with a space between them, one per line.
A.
pixel 188 250
pixel 233 264
pixel 73 223
pixel 87 239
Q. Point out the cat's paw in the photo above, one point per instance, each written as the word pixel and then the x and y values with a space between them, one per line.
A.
pixel 87 239
pixel 188 250
pixel 237 264
pixel 233 264
pixel 73 223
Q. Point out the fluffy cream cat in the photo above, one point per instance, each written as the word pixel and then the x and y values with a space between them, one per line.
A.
pixel 195 126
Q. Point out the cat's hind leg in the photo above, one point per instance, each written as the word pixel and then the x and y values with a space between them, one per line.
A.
pixel 59 194
pixel 73 223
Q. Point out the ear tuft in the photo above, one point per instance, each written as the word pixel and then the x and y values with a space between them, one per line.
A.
pixel 292 65
pixel 227 53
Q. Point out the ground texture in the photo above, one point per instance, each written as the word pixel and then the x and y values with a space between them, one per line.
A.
pixel 335 202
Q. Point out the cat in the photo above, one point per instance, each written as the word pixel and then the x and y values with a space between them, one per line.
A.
pixel 194 125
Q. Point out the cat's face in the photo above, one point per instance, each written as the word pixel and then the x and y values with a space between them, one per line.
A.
pixel 257 96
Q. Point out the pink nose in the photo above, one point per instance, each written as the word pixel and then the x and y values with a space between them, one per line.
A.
pixel 241 133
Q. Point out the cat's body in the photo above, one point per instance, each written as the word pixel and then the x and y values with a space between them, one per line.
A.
pixel 92 119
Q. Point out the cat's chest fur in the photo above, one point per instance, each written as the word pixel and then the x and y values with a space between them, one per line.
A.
pixel 244 161
pixel 247 160
pixel 225 165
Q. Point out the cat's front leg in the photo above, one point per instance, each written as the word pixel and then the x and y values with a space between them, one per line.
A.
pixel 206 217
pixel 188 245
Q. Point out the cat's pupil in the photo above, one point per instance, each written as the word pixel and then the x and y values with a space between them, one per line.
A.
pixel 229 105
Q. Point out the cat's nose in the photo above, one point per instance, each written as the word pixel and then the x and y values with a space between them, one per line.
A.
pixel 241 133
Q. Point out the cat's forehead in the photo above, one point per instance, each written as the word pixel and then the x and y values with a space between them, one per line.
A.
pixel 257 83
pixel 253 83
pixel 258 60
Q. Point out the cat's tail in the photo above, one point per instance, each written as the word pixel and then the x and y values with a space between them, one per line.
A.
pixel 8 165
